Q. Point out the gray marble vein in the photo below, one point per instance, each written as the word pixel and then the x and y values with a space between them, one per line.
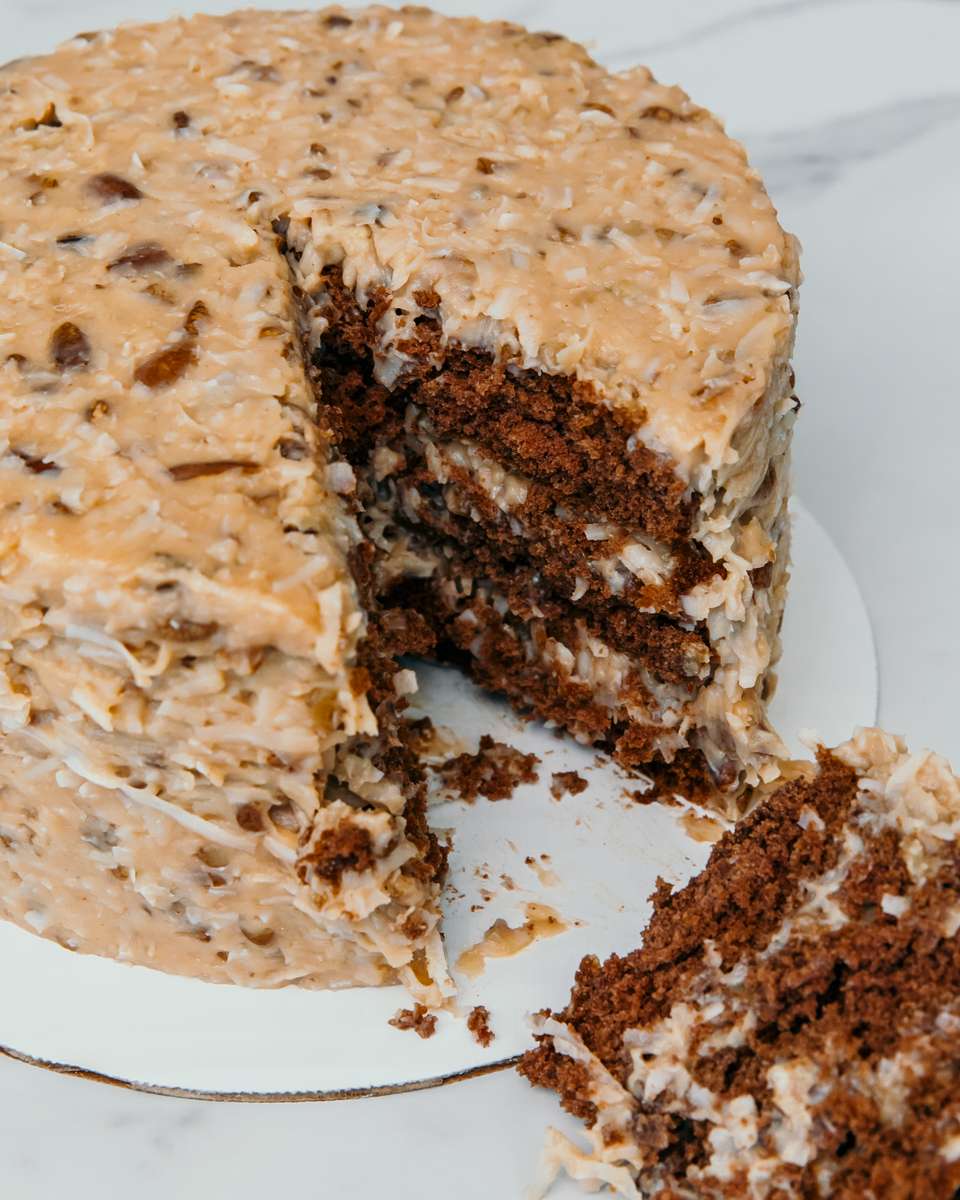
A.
pixel 723 25
pixel 801 161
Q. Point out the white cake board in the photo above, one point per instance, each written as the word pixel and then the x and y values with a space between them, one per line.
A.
pixel 139 1027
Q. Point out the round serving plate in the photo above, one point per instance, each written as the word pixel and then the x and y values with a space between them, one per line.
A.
pixel 591 860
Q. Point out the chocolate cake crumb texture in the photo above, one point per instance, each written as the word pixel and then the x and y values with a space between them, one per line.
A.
pixel 419 1019
pixel 789 1025
pixel 494 772
pixel 567 783
pixel 478 1022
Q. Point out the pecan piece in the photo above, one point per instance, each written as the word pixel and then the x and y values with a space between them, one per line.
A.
pixel 39 466
pixel 159 292
pixel 261 936
pixel 177 629
pixel 166 366
pixel 250 818
pixel 486 166
pixel 198 312
pixel 336 21
pixel 145 256
pixel 761 577
pixel 108 188
pixel 180 119
pixel 213 856
pixel 69 347
pixel 48 117
pixel 194 470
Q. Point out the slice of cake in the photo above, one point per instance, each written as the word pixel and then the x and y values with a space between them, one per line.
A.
pixel 327 337
pixel 789 1026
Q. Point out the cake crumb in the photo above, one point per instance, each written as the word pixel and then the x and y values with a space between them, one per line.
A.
pixel 493 772
pixel 652 796
pixel 566 783
pixel 478 1023
pixel 418 1018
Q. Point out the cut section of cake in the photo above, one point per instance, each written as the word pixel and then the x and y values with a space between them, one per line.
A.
pixel 789 1025
pixel 329 337
pixel 557 356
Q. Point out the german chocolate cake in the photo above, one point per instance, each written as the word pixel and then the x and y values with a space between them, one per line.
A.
pixel 789 1027
pixel 330 337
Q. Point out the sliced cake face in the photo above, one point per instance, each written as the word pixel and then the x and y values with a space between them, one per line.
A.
pixel 324 336
pixel 574 314
pixel 789 1027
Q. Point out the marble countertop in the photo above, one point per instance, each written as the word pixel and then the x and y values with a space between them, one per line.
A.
pixel 852 110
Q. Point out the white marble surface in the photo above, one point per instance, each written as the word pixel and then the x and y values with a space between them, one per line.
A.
pixel 853 110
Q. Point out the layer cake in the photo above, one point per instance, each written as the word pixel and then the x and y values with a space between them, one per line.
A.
pixel 328 337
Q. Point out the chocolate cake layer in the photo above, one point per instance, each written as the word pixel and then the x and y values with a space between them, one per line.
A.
pixel 788 1027
pixel 615 706
pixel 581 561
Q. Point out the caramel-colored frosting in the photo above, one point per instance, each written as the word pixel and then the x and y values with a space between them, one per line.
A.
pixel 580 221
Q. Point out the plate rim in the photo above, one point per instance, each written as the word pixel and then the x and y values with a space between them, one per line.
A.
pixel 372 1092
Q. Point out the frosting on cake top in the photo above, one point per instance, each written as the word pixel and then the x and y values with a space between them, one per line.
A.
pixel 575 220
